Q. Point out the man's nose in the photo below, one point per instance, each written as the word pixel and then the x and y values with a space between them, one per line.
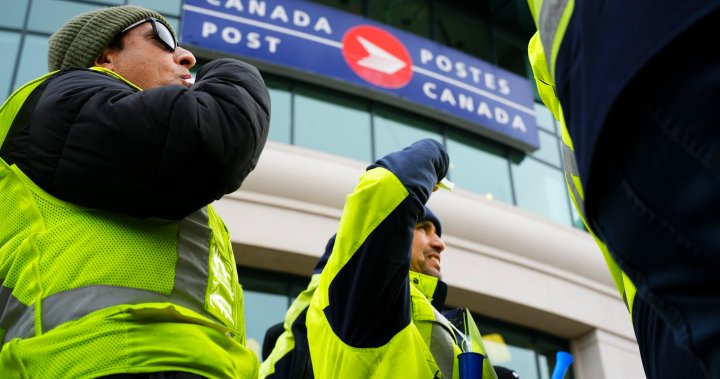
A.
pixel 437 243
pixel 184 57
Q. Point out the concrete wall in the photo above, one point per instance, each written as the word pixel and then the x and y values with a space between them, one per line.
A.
pixel 500 261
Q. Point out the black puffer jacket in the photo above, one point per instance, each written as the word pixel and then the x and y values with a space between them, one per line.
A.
pixel 92 140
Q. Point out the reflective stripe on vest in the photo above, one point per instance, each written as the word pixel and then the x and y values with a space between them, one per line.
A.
pixel 191 278
pixel 572 177
pixel 442 344
pixel 623 283
pixel 445 340
pixel 553 18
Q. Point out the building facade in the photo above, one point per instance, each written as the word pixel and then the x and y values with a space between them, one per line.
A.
pixel 352 80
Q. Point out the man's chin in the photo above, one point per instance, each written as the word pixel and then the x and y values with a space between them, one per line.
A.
pixel 433 272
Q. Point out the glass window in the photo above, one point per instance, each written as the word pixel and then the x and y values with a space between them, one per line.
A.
pixel 522 356
pixel 511 52
pixel 280 98
pixel 514 15
pixel 547 349
pixel 332 123
pixel 549 150
pixel 9 43
pixel 394 131
pixel 533 84
pixel 409 15
pixel 463 30
pixel 267 297
pixel 262 310
pixel 479 166
pixel 49 15
pixel 33 61
pixel 166 7
pixel 509 347
pixel 544 118
pixel 575 216
pixel 540 188
pixel 530 353
pixel 349 6
pixel 13 13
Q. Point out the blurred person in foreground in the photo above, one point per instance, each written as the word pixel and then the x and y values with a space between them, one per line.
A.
pixel 634 87
pixel 112 261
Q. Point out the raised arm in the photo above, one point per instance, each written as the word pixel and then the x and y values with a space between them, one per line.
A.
pixel 98 142
pixel 366 279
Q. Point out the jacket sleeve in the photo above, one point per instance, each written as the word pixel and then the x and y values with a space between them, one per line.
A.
pixel 97 142
pixel 368 293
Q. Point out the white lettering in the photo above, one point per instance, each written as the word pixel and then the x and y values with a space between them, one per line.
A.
pixel 490 80
pixel 461 70
pixel 425 56
pixel 234 36
pixel 501 116
pixel 273 42
pixel 504 86
pixel 257 7
pixel 475 74
pixel 443 63
pixel 518 123
pixel 301 18
pixel 484 110
pixel 466 102
pixel 253 40
pixel 279 13
pixel 323 24
pixel 208 28
pixel 231 35
pixel 429 90
pixel 234 4
pixel 447 97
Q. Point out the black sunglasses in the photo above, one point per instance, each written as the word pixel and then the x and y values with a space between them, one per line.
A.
pixel 162 33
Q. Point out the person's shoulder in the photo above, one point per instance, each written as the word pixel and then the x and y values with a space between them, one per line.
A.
pixel 77 72
pixel 76 78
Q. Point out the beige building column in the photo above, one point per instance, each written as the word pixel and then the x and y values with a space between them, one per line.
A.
pixel 601 355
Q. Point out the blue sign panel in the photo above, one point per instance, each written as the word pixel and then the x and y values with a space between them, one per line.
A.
pixel 324 42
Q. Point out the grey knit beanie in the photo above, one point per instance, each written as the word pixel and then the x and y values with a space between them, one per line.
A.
pixel 81 40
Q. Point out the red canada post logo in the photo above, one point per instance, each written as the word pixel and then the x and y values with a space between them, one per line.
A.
pixel 377 56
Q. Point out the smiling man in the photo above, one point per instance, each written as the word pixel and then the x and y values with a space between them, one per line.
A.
pixel 289 359
pixel 112 263
pixel 377 311
pixel 427 246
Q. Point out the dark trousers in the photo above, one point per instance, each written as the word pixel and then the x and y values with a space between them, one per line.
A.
pixel 662 358
pixel 654 197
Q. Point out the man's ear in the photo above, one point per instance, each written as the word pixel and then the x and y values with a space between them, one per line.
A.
pixel 106 58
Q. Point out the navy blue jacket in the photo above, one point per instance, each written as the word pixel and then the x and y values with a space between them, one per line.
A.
pixel 609 42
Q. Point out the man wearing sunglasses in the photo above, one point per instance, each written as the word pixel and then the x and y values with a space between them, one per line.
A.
pixel 112 263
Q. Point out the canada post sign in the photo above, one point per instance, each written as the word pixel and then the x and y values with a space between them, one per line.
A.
pixel 321 41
